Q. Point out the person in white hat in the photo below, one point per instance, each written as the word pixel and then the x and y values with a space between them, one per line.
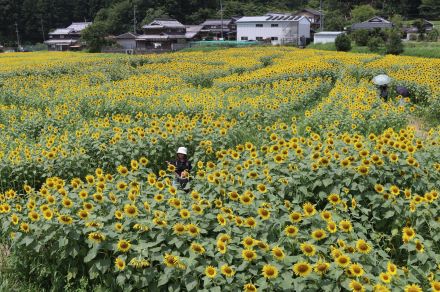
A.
pixel 182 168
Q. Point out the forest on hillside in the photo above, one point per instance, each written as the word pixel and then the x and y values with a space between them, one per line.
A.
pixel 35 18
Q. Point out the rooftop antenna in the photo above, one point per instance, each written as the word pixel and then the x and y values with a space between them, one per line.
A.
pixel 18 37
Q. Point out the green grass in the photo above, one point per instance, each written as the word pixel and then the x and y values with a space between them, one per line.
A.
pixel 416 49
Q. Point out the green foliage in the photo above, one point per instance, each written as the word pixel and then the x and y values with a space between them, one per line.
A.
pixel 95 36
pixel 334 21
pixel 343 43
pixel 362 13
pixel 360 37
pixel 375 43
pixel 394 43
pixel 433 35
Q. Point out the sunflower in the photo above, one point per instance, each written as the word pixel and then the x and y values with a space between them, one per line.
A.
pixel 394 190
pixel 331 227
pixel 345 225
pixel 308 249
pixel 123 245
pixel 249 288
pixel 96 237
pixel 118 227
pixel 278 253
pixel 120 264
pixel 356 286
pixel 391 268
pixel 334 199
pixel 227 271
pixel 130 210
pixel 413 288
pixel 356 270
pixel 302 269
pixel 221 247
pixel 197 248
pixel 319 234
pixel 248 242
pixel 179 228
pixel 385 277
pixel 363 169
pixel 309 209
pixel 24 227
pixel 210 272
pixel 379 188
pixel 192 229
pixel 419 246
pixel 326 215
pixel 408 233
pixel 321 267
pixel 291 230
pixel 170 260
pixel 251 222
pixel 363 247
pixel 245 199
pixel 343 260
pixel 263 213
pixel 65 219
pixel 269 272
pixel 34 216
pixel 435 286
pixel 248 255
pixel 295 217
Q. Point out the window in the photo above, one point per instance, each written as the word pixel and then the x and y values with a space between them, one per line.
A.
pixel 61 36
pixel 243 38
pixel 274 38
pixel 259 38
pixel 259 25
pixel 274 25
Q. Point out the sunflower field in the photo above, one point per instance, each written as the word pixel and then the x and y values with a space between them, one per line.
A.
pixel 302 180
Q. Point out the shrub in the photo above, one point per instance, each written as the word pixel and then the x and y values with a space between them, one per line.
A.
pixel 375 43
pixel 360 37
pixel 433 35
pixel 343 43
pixel 394 43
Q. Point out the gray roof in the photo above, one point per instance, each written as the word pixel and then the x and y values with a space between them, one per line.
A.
pixel 311 10
pixel 216 22
pixel 61 31
pixel 270 18
pixel 60 42
pixel 375 22
pixel 162 23
pixel 78 26
pixel 127 35
pixel 151 37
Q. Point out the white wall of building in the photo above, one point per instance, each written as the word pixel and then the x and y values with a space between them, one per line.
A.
pixel 278 31
pixel 324 38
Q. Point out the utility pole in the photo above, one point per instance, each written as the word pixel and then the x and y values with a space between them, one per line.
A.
pixel 134 18
pixel 321 20
pixel 18 37
pixel 42 29
pixel 221 15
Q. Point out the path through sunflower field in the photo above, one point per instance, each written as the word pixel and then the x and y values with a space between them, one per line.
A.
pixel 303 179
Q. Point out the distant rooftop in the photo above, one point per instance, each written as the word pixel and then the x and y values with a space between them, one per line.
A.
pixel 162 23
pixel 271 17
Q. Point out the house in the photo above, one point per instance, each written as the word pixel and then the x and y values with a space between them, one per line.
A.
pixel 193 32
pixel 162 34
pixel 324 37
pixel 373 23
pixel 313 15
pixel 63 39
pixel 126 40
pixel 275 28
pixel 217 28
pixel 412 32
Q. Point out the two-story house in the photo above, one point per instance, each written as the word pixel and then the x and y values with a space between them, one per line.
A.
pixel 63 39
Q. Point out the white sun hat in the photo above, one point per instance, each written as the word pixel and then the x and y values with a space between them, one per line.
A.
pixel 381 79
pixel 182 150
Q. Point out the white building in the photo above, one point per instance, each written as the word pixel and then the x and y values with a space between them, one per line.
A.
pixel 276 28
pixel 324 37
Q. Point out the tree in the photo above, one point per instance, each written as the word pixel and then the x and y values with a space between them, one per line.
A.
pixel 397 20
pixel 95 36
pixel 334 20
pixel 362 13
pixel 430 8
pixel 394 43
pixel 343 43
